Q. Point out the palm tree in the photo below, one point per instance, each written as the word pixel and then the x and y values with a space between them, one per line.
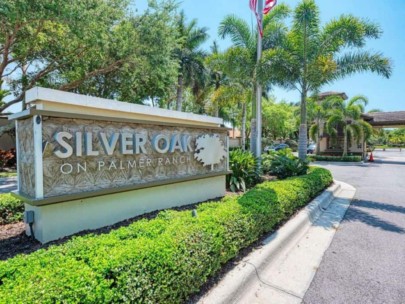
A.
pixel 347 115
pixel 317 112
pixel 311 56
pixel 318 107
pixel 190 57
pixel 241 58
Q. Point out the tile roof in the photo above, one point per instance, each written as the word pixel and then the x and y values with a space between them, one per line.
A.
pixel 332 93
pixel 385 118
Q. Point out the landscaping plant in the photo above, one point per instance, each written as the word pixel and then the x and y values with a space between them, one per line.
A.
pixel 11 209
pixel 163 260
pixel 284 165
pixel 243 166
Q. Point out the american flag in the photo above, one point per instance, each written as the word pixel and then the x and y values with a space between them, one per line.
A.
pixel 268 5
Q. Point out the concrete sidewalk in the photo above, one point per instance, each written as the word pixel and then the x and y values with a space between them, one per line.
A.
pixel 282 270
pixel 8 184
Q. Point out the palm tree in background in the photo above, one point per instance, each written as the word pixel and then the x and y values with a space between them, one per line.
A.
pixel 347 115
pixel 190 57
pixel 317 114
pixel 311 56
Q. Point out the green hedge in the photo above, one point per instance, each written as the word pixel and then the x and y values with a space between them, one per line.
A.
pixel 163 260
pixel 11 209
pixel 336 158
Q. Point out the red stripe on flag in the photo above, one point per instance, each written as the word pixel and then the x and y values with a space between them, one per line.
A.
pixel 253 7
pixel 268 6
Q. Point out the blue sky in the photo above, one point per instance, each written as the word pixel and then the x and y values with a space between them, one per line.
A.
pixel 390 15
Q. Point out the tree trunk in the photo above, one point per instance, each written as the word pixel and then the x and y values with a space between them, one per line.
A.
pixel 24 85
pixel 253 133
pixel 345 141
pixel 363 147
pixel 303 135
pixel 318 138
pixel 244 114
pixel 216 110
pixel 179 102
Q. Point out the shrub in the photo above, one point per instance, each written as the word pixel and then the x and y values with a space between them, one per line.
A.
pixel 163 260
pixel 336 158
pixel 7 158
pixel 267 158
pixel 284 165
pixel 243 166
pixel 11 209
pixel 292 144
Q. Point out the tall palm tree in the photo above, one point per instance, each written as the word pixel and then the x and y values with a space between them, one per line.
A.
pixel 190 57
pixel 312 55
pixel 217 78
pixel 242 56
pixel 347 115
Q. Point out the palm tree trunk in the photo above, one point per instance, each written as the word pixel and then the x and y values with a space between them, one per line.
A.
pixel 318 138
pixel 244 114
pixel 344 141
pixel 253 130
pixel 216 110
pixel 363 147
pixel 179 102
pixel 303 135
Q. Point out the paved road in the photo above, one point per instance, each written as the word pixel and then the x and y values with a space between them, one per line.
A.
pixel 366 260
pixel 8 184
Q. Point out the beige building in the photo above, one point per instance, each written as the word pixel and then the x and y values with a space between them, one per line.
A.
pixel 334 145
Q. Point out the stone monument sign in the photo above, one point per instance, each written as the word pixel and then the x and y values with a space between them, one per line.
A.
pixel 75 152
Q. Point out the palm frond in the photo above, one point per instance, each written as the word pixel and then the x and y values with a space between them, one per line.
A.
pixel 347 31
pixel 359 101
pixel 351 63
pixel 313 132
pixel 238 30
pixel 306 18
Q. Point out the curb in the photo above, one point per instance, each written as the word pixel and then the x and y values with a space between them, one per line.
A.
pixel 8 179
pixel 237 279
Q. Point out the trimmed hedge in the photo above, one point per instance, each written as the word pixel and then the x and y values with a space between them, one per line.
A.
pixel 163 260
pixel 336 158
pixel 11 209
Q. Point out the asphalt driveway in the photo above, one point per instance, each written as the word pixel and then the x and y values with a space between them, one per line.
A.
pixel 366 260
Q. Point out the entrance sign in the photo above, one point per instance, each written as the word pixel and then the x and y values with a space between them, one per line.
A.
pixel 82 155
pixel 68 152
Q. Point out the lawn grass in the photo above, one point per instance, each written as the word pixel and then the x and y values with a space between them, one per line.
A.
pixel 8 174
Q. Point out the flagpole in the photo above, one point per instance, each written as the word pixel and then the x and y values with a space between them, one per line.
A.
pixel 258 148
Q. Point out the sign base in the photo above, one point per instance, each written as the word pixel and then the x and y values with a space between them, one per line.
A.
pixel 62 219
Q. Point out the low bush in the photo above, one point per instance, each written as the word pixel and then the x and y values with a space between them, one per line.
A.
pixel 243 166
pixel 11 209
pixel 284 164
pixel 163 260
pixel 336 158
